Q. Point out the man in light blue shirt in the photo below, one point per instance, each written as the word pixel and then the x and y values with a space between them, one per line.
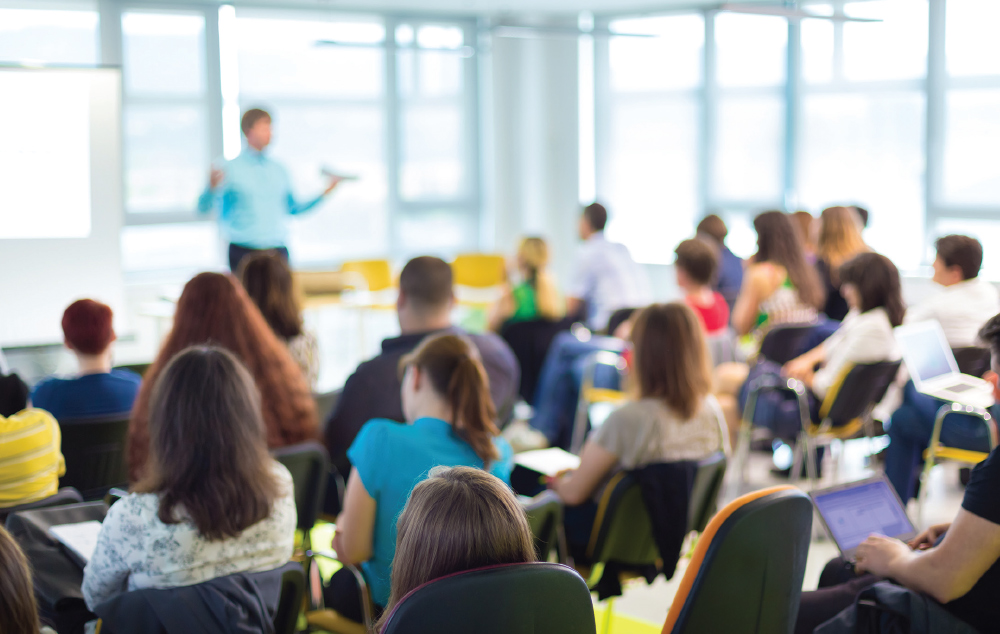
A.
pixel 254 195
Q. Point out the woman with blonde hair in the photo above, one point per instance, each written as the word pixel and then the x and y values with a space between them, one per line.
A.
pixel 449 422
pixel 839 241
pixel 457 519
pixel 535 296
pixel 672 417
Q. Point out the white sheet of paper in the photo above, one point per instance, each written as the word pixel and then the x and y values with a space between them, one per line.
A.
pixel 547 461
pixel 80 537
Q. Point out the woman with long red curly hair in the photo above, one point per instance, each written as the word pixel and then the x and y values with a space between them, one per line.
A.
pixel 214 309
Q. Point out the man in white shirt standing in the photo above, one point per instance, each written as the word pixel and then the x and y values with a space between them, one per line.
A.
pixel 961 307
pixel 605 276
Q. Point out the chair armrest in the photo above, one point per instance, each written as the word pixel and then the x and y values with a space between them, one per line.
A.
pixel 366 603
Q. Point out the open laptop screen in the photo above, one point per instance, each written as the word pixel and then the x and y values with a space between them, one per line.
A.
pixel 925 351
pixel 853 513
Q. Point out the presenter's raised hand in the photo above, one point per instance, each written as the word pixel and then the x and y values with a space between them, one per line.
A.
pixel 215 178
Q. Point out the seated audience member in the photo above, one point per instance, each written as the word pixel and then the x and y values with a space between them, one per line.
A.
pixel 805 225
pixel 212 501
pixel 18 609
pixel 457 519
pixel 99 389
pixel 696 266
pixel 839 241
pixel 268 281
pixel 31 460
pixel 730 277
pixel 424 308
pixel 535 296
pixel 214 309
pixel 674 417
pixel 450 422
pixel 779 288
pixel 964 304
pixel 13 394
pixel 605 277
pixel 954 564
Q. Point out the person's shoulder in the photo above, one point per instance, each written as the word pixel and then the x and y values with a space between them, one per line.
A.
pixel 284 478
pixel 381 432
pixel 136 509
pixel 27 418
pixel 46 386
pixel 125 376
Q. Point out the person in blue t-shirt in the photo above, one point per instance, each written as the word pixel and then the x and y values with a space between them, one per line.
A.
pixel 98 390
pixel 450 416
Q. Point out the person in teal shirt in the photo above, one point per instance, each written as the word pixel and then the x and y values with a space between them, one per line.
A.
pixel 253 195
pixel 450 422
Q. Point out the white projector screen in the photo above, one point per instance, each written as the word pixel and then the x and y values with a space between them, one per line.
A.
pixel 60 197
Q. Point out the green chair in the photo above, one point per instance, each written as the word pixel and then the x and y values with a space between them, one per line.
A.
pixel 545 517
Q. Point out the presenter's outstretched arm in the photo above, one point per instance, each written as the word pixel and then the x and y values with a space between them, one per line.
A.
pixel 295 208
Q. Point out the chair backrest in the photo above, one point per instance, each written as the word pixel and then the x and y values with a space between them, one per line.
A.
pixel 530 341
pixel 972 360
pixel 722 347
pixel 376 273
pixel 708 477
pixel 94 449
pixel 479 270
pixel 309 465
pixel 507 599
pixel 545 516
pixel 325 404
pixel 293 592
pixel 745 575
pixel 783 343
pixel 67 495
pixel 622 530
pixel 862 388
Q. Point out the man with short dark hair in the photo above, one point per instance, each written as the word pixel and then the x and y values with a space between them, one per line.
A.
pixel 605 276
pixel 253 195
pixel 424 308
pixel 696 266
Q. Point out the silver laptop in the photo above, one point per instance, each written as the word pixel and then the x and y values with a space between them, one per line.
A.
pixel 933 369
pixel 853 511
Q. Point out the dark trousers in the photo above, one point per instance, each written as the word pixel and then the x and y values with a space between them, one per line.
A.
pixel 839 586
pixel 343 595
pixel 237 252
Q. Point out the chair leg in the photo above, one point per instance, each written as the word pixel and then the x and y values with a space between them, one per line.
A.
pixel 741 453
pixel 606 627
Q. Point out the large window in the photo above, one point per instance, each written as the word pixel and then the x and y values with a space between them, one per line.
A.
pixel 59 33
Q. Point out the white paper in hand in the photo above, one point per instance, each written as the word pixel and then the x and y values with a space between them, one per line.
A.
pixel 80 538
pixel 547 461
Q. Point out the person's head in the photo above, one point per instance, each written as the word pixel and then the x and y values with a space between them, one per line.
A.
pixel 671 357
pixel 839 236
pixel 18 609
pixel 13 394
pixel 778 243
pixel 256 127
pixel 870 281
pixel 713 226
pixel 208 458
pixel 989 335
pixel 959 258
pixel 214 309
pixel 862 214
pixel 593 220
pixel 268 282
pixel 532 257
pixel 696 264
pixel 804 224
pixel 426 296
pixel 443 376
pixel 457 519
pixel 87 328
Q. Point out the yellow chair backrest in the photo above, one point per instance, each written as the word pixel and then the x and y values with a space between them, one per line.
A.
pixel 377 273
pixel 478 270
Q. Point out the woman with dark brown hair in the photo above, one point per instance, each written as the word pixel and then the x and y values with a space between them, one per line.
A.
pixel 268 281
pixel 457 519
pixel 212 501
pixel 214 309
pixel 18 610
pixel 449 422
pixel 672 417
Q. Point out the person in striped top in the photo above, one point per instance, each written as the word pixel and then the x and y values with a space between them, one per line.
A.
pixel 30 457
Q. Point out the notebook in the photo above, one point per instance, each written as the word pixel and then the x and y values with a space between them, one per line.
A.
pixel 933 368
pixel 79 539
pixel 853 511
pixel 547 461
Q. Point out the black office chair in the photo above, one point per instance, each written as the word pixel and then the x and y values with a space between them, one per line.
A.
pixel 545 517
pixel 530 342
pixel 760 540
pixel 784 342
pixel 66 495
pixel 94 450
pixel 506 599
pixel 972 360
pixel 293 592
pixel 325 404
pixel 708 477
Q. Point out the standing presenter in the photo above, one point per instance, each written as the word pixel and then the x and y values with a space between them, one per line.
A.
pixel 254 195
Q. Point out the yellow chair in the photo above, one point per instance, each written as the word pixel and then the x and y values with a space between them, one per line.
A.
pixel 377 274
pixel 590 395
pixel 937 453
pixel 479 270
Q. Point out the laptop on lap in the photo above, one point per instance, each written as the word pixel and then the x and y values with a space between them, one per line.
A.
pixel 933 369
